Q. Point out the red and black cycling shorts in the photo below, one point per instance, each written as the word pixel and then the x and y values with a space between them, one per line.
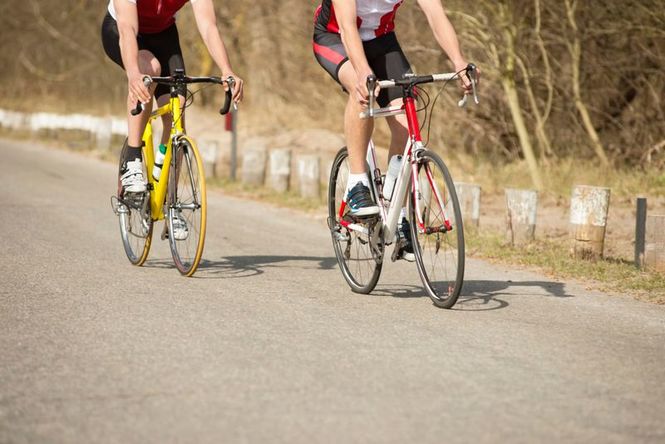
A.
pixel 384 55
pixel 164 45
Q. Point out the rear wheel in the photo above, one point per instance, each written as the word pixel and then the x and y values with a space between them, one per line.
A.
pixel 358 243
pixel 186 210
pixel 133 211
pixel 437 231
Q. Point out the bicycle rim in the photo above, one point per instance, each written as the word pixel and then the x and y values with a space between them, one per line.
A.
pixel 135 221
pixel 439 242
pixel 360 267
pixel 187 202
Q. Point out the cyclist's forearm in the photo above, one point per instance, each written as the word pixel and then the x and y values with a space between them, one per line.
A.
pixel 204 13
pixel 217 50
pixel 128 28
pixel 354 50
pixel 443 30
pixel 346 12
pixel 129 49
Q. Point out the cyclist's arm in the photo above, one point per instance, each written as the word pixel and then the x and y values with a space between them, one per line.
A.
pixel 128 27
pixel 204 13
pixel 444 33
pixel 345 11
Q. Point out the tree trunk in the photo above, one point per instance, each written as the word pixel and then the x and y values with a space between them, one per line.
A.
pixel 512 99
pixel 575 49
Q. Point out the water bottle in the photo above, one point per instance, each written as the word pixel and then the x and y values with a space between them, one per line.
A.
pixel 394 167
pixel 159 161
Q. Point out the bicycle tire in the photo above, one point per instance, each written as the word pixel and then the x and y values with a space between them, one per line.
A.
pixel 187 201
pixel 136 224
pixel 439 255
pixel 360 267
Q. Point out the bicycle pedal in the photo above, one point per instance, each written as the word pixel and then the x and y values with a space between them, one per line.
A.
pixel 341 237
pixel 118 207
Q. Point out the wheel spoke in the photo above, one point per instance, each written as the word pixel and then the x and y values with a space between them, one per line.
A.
pixel 439 247
pixel 354 250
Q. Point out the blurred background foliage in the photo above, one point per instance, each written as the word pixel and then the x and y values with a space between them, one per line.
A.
pixel 560 78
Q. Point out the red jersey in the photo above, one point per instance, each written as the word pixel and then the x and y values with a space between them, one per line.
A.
pixel 154 15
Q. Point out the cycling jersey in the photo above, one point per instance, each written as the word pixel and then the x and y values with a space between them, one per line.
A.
pixel 154 15
pixel 374 17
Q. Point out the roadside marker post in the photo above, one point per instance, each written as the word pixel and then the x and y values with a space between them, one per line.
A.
pixel 640 231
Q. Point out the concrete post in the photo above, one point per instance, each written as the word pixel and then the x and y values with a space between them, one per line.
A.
pixel 208 149
pixel 308 176
pixel 588 219
pixel 521 209
pixel 279 170
pixel 253 166
pixel 654 254
pixel 468 195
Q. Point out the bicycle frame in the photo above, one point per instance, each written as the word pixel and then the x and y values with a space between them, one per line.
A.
pixel 159 187
pixel 389 211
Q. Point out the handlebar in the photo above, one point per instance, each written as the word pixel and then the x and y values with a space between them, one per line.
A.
pixel 411 80
pixel 179 79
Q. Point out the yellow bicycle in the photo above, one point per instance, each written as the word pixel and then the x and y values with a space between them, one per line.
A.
pixel 178 194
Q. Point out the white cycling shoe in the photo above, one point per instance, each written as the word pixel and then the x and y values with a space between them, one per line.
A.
pixel 132 179
pixel 180 230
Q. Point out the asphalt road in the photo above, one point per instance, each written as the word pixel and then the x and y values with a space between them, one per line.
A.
pixel 267 344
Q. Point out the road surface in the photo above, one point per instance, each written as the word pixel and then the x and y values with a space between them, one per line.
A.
pixel 267 344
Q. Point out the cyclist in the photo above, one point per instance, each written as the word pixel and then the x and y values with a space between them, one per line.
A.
pixel 356 38
pixel 142 38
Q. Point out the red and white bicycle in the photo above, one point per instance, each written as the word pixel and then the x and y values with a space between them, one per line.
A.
pixel 435 218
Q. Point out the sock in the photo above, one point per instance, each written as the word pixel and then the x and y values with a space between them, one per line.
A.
pixel 132 153
pixel 355 178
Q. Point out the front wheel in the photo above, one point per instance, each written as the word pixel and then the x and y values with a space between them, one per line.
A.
pixel 136 224
pixel 186 209
pixel 358 246
pixel 437 231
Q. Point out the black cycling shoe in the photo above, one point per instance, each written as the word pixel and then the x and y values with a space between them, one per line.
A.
pixel 359 199
pixel 405 242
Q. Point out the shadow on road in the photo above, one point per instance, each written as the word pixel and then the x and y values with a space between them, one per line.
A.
pixel 485 295
pixel 245 266
pixel 482 295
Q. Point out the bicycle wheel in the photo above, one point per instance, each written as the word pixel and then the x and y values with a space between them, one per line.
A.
pixel 186 208
pixel 359 251
pixel 437 231
pixel 133 212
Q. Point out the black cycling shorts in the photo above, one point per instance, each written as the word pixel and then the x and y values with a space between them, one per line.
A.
pixel 384 56
pixel 165 46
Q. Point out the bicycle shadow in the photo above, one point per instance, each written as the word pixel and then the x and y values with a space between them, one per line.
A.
pixel 481 295
pixel 234 267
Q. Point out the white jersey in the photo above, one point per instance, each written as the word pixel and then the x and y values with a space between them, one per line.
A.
pixel 374 17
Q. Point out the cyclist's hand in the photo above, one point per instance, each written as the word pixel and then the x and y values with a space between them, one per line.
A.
pixel 238 88
pixel 138 92
pixel 361 88
pixel 465 83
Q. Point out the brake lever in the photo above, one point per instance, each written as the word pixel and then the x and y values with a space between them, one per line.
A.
pixel 470 74
pixel 371 85
pixel 231 82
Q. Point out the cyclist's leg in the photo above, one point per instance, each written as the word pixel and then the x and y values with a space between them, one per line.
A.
pixel 330 54
pixel 149 65
pixel 389 62
pixel 131 166
pixel 356 130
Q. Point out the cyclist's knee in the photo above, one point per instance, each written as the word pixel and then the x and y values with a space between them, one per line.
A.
pixel 148 63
